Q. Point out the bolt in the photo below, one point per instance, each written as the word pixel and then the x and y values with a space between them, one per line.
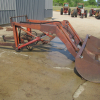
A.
pixel 89 35
pixel 81 57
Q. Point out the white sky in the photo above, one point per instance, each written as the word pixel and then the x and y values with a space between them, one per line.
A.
pixel 86 0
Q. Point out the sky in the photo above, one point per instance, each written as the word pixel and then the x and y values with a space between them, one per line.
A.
pixel 86 0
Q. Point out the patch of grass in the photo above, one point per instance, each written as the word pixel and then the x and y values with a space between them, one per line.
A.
pixel 88 9
pixel 58 8
pixel 90 6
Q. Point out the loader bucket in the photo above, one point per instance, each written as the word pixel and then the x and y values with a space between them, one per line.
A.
pixel 87 61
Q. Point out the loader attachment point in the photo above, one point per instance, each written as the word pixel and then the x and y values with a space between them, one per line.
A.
pixel 87 63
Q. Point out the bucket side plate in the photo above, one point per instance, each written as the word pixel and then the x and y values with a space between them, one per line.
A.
pixel 88 68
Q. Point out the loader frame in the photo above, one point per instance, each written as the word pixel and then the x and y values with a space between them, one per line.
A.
pixel 63 30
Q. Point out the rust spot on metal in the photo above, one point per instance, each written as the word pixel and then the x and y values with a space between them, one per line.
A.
pixel 1 28
pixel 9 29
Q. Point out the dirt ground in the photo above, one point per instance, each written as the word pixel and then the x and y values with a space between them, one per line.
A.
pixel 47 72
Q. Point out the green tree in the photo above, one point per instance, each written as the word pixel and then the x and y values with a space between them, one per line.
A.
pixel 86 3
pixel 77 1
pixel 71 2
pixel 58 2
pixel 92 2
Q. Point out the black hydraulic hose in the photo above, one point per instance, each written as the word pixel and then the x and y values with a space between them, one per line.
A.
pixel 41 23
pixel 19 35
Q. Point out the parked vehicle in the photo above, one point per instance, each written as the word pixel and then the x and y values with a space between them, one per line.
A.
pixel 65 9
pixel 79 11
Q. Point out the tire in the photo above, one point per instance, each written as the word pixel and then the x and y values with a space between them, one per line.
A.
pixel 72 13
pixel 90 13
pixel 85 13
pixel 61 12
pixel 97 17
pixel 69 11
pixel 97 11
pixel 75 10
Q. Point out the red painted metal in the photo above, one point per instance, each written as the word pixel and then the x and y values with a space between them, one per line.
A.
pixel 79 54
pixel 37 39
pixel 65 32
pixel 93 11
pixel 29 29
pixel 89 59
pixel 65 9
pixel 79 10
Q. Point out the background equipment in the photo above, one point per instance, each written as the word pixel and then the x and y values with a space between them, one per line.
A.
pixel 79 11
pixel 65 9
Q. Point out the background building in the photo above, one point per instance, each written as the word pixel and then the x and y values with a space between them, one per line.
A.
pixel 34 9
pixel 98 2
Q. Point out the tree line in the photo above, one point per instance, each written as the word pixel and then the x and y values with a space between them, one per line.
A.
pixel 73 3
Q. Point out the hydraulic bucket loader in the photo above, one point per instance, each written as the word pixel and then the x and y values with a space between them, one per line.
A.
pixel 86 53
